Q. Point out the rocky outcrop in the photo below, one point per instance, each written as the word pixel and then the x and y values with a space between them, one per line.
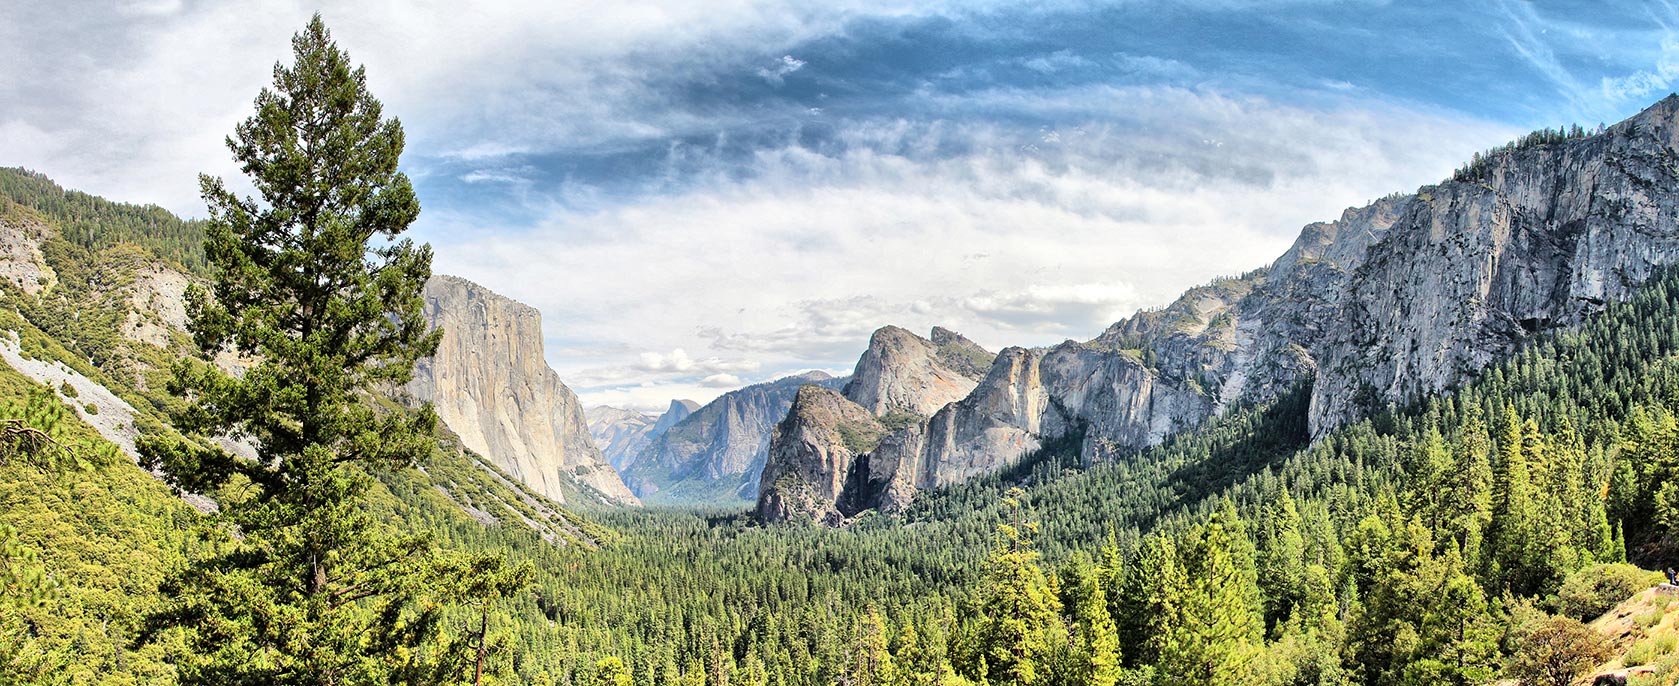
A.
pixel 678 411
pixel 492 386
pixel 1110 400
pixel 157 307
pixel 1412 294
pixel 623 434
pixel 21 262
pixel 903 372
pixel 716 453
pixel 1416 293
pixel 812 454
pixel 1536 239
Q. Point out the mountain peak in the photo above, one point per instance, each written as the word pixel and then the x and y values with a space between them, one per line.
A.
pixel 903 372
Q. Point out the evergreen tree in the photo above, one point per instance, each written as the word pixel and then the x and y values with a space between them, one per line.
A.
pixel 1468 501
pixel 1219 629
pixel 1020 613
pixel 1511 528
pixel 313 590
pixel 1151 598
pixel 1282 560
pixel 872 664
pixel 1093 656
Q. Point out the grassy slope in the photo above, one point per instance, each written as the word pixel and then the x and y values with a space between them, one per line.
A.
pixel 1643 631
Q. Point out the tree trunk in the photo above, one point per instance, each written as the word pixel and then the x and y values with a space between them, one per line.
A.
pixel 483 628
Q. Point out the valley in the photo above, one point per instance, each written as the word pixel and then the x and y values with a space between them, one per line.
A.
pixel 1435 441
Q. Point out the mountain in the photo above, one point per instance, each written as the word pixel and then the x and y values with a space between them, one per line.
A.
pixel 622 434
pixel 903 372
pixel 1411 295
pixel 715 454
pixel 822 458
pixel 492 386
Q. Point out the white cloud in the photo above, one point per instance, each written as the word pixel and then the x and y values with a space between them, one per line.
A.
pixel 1010 236
pixel 676 361
pixel 784 66
pixel 724 381
pixel 1013 242
pixel 135 109
pixel 1641 85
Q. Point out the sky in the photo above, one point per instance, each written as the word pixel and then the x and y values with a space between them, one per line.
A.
pixel 699 195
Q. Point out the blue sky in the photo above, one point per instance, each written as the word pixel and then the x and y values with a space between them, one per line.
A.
pixel 699 195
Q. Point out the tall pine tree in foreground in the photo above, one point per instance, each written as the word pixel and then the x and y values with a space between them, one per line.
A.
pixel 313 282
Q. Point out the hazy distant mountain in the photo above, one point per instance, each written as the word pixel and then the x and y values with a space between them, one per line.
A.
pixel 715 454
pixel 622 434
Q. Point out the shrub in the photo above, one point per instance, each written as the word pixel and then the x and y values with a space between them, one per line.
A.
pixel 1556 652
pixel 1592 591
pixel 1650 649
pixel 67 390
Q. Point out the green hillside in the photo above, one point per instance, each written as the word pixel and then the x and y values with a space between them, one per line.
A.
pixel 108 534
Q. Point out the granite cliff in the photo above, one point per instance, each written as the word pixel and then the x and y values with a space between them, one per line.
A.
pixel 1111 397
pixel 492 386
pixel 1410 295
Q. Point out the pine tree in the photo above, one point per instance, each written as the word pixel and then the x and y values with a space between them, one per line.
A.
pixel 1282 560
pixel 872 664
pixel 1220 629
pixel 1510 530
pixel 1093 657
pixel 1021 623
pixel 1469 498
pixel 313 590
pixel 24 584
pixel 1151 597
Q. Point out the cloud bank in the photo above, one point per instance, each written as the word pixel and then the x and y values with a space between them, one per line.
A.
pixel 703 195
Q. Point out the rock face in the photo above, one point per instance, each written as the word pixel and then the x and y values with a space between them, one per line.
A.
pixel 492 386
pixel 1028 396
pixel 21 262
pixel 812 455
pixel 903 372
pixel 622 434
pixel 1410 295
pixel 716 453
pixel 157 305
pixel 1540 238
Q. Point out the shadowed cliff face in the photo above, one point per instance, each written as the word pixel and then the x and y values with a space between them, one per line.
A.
pixel 1410 295
pixel 812 454
pixel 492 386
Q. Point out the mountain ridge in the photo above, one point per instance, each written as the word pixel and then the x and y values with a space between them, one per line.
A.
pixel 1408 295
